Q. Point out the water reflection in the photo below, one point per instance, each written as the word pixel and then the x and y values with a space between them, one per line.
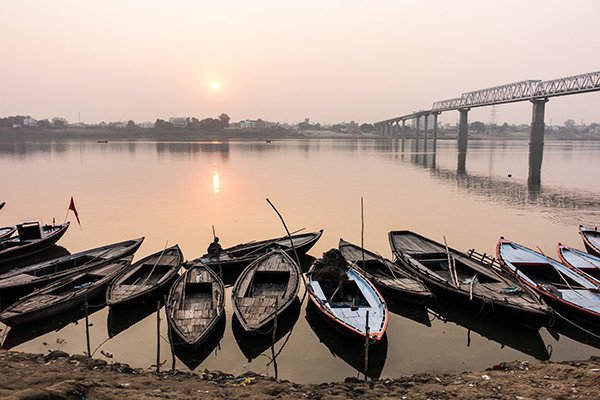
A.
pixel 351 350
pixel 253 345
pixel 504 332
pixel 24 333
pixel 121 318
pixel 191 357
pixel 506 189
pixel 414 312
pixel 581 333
pixel 216 182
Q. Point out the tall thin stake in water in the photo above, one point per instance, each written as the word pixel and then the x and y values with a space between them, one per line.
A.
pixel 367 347
pixel 87 328
pixel 274 337
pixel 219 255
pixel 158 337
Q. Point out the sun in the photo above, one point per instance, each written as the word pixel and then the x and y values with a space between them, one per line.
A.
pixel 214 86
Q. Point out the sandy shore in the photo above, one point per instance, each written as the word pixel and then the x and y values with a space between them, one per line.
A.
pixel 59 376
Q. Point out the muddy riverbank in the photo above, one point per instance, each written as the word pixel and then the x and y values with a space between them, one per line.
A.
pixel 58 375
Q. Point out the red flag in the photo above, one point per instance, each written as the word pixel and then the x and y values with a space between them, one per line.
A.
pixel 72 208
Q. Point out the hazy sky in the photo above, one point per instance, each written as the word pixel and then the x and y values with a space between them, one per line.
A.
pixel 281 60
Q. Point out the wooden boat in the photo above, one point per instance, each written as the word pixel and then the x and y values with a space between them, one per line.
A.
pixel 584 262
pixel 265 289
pixel 32 237
pixel 148 276
pixel 346 298
pixel 591 239
pixel 20 281
pixel 7 231
pixel 385 275
pixel 65 294
pixel 473 281
pixel 239 256
pixel 566 290
pixel 195 304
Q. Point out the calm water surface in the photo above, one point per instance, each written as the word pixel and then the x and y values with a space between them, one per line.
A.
pixel 174 192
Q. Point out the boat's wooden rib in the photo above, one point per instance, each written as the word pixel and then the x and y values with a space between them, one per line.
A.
pixel 584 262
pixel 31 238
pixel 591 239
pixel 21 281
pixel 384 274
pixel 146 277
pixel 345 297
pixel 569 292
pixel 195 304
pixel 471 281
pixel 241 255
pixel 264 289
pixel 65 294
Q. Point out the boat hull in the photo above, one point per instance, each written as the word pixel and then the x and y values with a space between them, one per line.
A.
pixel 18 252
pixel 351 321
pixel 486 298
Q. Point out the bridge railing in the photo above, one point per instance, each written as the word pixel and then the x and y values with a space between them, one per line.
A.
pixel 513 92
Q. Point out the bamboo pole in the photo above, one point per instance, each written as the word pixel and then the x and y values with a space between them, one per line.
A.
pixel 362 234
pixel 273 338
pixel 87 328
pixel 172 345
pixel 219 256
pixel 289 236
pixel 158 337
pixel 367 347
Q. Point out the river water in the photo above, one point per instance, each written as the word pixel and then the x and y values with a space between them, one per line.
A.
pixel 174 192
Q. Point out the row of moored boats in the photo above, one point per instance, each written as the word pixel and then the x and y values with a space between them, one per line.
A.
pixel 345 284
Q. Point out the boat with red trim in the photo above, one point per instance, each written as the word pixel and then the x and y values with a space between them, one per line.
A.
pixel 591 239
pixel 345 298
pixel 569 292
pixel 582 261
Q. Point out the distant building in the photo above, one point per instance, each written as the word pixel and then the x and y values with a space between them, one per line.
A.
pixel 28 121
pixel 178 122
pixel 257 124
pixel 146 125
pixel 352 127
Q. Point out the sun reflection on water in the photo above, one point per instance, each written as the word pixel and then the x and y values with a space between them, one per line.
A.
pixel 216 182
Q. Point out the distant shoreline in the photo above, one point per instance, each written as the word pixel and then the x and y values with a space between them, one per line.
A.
pixel 101 135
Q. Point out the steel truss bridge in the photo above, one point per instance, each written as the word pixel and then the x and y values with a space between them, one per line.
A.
pixel 529 90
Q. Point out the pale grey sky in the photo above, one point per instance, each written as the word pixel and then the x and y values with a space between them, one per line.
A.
pixel 328 60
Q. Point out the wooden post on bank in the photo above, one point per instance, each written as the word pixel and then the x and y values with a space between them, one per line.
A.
pixel 158 337
pixel 274 337
pixel 367 347
pixel 87 328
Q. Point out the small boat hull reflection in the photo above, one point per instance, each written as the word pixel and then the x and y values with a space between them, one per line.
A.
pixel 254 344
pixel 504 332
pixel 349 349
pixel 191 356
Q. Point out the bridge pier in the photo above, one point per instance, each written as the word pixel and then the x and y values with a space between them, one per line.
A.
pixel 536 136
pixel 435 124
pixel 463 137
pixel 536 143
pixel 425 132
pixel 402 133
pixel 417 120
